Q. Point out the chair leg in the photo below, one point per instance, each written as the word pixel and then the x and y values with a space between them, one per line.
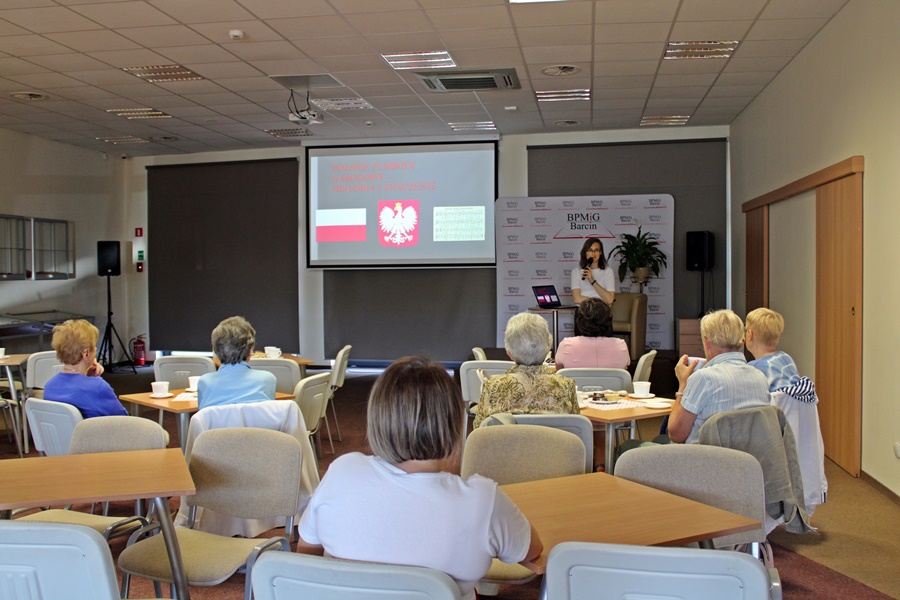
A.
pixel 161 414
pixel 336 426
pixel 328 430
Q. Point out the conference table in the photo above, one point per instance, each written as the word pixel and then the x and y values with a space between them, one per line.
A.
pixel 598 507
pixel 82 478
pixel 609 416
pixel 17 404
pixel 182 408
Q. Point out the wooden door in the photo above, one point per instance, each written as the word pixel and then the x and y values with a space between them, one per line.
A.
pixel 839 319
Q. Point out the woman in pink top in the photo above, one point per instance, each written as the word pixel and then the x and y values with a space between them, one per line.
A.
pixel 593 348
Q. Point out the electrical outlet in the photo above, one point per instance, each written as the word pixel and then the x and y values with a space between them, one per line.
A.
pixel 897 449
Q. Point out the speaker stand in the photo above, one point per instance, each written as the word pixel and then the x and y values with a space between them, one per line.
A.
pixel 105 351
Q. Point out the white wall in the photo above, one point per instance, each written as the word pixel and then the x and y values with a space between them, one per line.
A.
pixel 837 99
pixel 47 179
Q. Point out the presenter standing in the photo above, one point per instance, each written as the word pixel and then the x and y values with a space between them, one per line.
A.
pixel 594 278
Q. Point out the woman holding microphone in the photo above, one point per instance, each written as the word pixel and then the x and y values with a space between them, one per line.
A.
pixel 594 278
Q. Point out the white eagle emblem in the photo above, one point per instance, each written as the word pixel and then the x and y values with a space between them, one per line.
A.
pixel 397 225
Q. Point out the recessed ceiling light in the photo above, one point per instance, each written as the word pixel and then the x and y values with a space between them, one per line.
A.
pixel 285 133
pixel 437 59
pixel 341 103
pixel 566 123
pixel 163 138
pixel 472 126
pixel 560 70
pixel 163 73
pixel 664 120
pixel 562 95
pixel 28 96
pixel 696 50
pixel 123 139
pixel 139 113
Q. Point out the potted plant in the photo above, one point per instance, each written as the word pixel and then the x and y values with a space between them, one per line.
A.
pixel 639 254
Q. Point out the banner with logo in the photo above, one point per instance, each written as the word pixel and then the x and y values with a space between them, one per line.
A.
pixel 539 240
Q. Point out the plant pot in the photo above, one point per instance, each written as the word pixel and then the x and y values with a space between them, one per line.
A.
pixel 641 275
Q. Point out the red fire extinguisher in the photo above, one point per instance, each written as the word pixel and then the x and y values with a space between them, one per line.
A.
pixel 139 351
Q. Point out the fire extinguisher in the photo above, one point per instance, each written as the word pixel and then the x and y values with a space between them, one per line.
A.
pixel 139 351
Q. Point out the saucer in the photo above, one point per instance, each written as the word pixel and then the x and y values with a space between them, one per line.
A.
pixel 647 397
pixel 657 404
pixel 160 396
pixel 190 389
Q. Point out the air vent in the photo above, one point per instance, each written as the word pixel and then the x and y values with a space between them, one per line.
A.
pixel 469 81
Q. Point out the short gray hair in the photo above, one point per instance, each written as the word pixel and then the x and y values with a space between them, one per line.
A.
pixel 723 329
pixel 527 339
pixel 233 340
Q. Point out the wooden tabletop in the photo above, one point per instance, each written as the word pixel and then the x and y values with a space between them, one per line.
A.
pixel 176 406
pixel 76 478
pixel 621 415
pixel 597 507
pixel 13 360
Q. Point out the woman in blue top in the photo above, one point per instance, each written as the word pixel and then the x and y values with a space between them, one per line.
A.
pixel 235 382
pixel 79 383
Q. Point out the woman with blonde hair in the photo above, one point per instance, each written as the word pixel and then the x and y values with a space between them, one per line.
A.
pixel 79 383
pixel 407 504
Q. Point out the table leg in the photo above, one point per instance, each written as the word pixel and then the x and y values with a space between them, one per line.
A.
pixel 555 333
pixel 168 532
pixel 14 407
pixel 610 448
pixel 184 420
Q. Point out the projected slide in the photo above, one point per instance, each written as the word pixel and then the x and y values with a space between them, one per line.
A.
pixel 395 206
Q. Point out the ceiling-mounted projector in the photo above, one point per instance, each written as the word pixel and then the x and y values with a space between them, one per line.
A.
pixel 306 117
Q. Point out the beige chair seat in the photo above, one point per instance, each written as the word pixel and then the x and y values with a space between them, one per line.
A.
pixel 108 527
pixel 504 573
pixel 208 559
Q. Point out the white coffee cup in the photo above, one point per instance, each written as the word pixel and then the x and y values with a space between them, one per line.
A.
pixel 193 380
pixel 641 388
pixel 697 361
pixel 160 388
pixel 2 351
pixel 272 352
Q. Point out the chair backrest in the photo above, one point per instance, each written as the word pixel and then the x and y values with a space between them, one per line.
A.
pixel 246 472
pixel 43 561
pixel 577 570
pixel 286 372
pixel 41 366
pixel 51 425
pixel 311 395
pixel 607 379
pixel 629 315
pixel 339 371
pixel 117 434
pixel 803 418
pixel 720 477
pixel 576 424
pixel 644 366
pixel 479 353
pixel 471 383
pixel 288 575
pixel 177 369
pixel 519 453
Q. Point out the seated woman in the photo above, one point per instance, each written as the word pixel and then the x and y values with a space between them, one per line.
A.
pixel 235 382
pixel 593 348
pixel 79 383
pixel 530 386
pixel 407 504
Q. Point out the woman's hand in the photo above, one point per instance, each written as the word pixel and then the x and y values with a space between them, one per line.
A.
pixel 588 275
pixel 95 370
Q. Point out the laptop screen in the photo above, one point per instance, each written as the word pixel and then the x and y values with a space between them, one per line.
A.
pixel 546 296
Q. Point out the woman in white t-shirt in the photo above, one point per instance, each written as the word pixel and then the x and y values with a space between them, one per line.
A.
pixel 593 278
pixel 407 504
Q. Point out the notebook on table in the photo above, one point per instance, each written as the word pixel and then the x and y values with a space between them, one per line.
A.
pixel 548 298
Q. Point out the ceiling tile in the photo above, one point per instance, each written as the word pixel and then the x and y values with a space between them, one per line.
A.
pixel 689 31
pixel 629 11
pixel 93 41
pixel 622 93
pixel 405 42
pixel 66 62
pixel 646 51
pixel 335 46
pixel 685 91
pixel 276 9
pixel 756 64
pixel 312 27
pixel 247 84
pixel 7 28
pixel 751 78
pixel 680 106
pixel 786 29
pixel 355 6
pixel 730 91
pixel 632 81
pixel 287 67
pixel 615 33
pixel 686 79
pixel 476 38
pixel 716 10
pixel 124 14
pixel 163 36
pixel 200 12
pixel 105 77
pixel 681 67
pixel 207 53
pixel 390 22
pixel 495 57
pixel 484 17
pixel 365 62
pixel 557 54
pixel 45 80
pixel 254 31
pixel 129 58
pixel 799 9
pixel 256 51
pixel 17 66
pixel 225 70
pixel 767 48
pixel 354 78
pixel 555 35
pixel 625 67
pixel 551 13
pixel 30 45
pixel 48 20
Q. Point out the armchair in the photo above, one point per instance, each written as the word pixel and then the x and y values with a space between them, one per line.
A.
pixel 629 316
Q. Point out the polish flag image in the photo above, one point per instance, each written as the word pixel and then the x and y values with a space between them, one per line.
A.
pixel 341 225
pixel 398 221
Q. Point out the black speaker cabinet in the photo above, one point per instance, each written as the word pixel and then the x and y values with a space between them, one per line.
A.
pixel 701 250
pixel 108 261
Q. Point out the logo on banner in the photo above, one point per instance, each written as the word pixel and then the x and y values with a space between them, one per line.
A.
pixel 540 255
pixel 540 273
pixel 398 221
pixel 540 205
pixel 540 238
pixel 512 237
pixel 512 221
pixel 597 204
pixel 513 256
pixel 512 273
pixel 540 220
pixel 655 218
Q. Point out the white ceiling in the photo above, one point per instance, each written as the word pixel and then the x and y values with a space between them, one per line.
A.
pixel 74 51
